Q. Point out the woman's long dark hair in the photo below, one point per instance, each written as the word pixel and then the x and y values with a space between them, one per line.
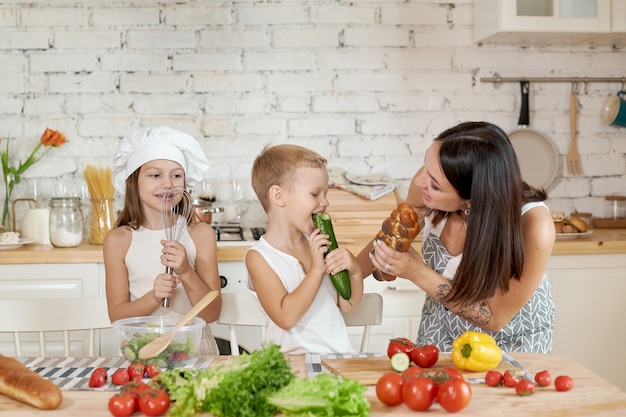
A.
pixel 479 161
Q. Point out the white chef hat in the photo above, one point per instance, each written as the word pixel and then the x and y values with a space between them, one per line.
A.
pixel 161 142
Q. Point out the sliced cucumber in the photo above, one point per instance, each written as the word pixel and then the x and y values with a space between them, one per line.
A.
pixel 400 362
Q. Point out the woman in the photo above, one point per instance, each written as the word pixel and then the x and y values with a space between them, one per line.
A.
pixel 487 237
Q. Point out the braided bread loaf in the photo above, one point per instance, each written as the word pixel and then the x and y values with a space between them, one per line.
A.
pixel 398 232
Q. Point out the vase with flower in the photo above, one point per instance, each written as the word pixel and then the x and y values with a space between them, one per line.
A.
pixel 13 174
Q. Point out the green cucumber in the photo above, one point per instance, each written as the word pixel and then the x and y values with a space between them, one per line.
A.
pixel 340 280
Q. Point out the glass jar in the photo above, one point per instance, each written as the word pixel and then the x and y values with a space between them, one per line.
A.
pixel 66 222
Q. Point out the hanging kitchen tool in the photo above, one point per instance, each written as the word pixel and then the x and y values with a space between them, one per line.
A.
pixel 537 155
pixel 574 166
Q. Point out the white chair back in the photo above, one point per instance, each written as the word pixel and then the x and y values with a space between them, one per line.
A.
pixel 45 316
pixel 241 309
pixel 369 313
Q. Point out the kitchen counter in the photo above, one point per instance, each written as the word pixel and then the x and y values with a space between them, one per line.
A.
pixel 601 241
pixel 591 395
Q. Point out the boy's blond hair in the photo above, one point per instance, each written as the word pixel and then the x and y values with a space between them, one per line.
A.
pixel 277 164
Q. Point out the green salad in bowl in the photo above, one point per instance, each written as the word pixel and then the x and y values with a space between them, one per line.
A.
pixel 136 332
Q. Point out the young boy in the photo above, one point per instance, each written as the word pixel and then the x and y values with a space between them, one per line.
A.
pixel 288 268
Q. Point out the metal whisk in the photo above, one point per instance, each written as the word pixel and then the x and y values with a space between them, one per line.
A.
pixel 177 211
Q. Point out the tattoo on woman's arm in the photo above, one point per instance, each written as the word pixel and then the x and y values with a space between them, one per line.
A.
pixel 477 313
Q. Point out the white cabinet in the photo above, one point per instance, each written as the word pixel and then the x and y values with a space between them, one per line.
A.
pixel 37 281
pixel 549 21
pixel 588 293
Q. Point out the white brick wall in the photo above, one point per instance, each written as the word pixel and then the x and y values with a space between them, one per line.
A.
pixel 368 84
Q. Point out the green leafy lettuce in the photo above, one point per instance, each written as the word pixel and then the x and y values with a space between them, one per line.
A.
pixel 325 395
pixel 238 388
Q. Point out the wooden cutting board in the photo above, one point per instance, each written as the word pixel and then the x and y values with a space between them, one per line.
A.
pixel 368 370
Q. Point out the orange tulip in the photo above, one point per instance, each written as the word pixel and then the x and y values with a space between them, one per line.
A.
pixel 52 138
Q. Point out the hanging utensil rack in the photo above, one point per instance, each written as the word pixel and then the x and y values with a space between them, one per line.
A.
pixel 497 79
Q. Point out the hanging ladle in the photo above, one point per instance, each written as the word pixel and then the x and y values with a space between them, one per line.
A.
pixel 158 345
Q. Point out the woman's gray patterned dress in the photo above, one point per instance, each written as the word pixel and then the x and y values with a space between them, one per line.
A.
pixel 530 330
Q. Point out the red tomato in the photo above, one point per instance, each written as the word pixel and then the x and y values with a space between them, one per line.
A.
pixel 136 371
pixel 154 402
pixel 120 377
pixel 98 378
pixel 425 356
pixel 122 405
pixel 389 389
pixel 454 395
pixel 400 344
pixel 525 388
pixel 135 387
pixel 563 383
pixel 543 378
pixel 511 378
pixel 493 378
pixel 419 393
pixel 445 374
pixel 152 370
pixel 412 372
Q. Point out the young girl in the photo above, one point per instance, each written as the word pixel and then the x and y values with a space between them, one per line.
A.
pixel 287 268
pixel 149 163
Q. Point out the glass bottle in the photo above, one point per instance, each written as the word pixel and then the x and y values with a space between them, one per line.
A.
pixel 66 222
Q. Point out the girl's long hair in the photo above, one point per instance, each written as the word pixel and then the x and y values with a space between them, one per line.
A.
pixel 479 161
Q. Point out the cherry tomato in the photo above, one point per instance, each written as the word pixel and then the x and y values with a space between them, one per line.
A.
pixel 152 370
pixel 454 394
pixel 136 371
pixel 419 393
pixel 400 344
pixel 122 405
pixel 154 402
pixel 412 372
pixel 563 383
pixel 525 387
pixel 511 378
pixel 98 378
pixel 493 378
pixel 425 356
pixel 543 378
pixel 389 389
pixel 120 376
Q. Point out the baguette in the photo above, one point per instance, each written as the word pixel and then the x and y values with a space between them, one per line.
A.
pixel 398 232
pixel 22 384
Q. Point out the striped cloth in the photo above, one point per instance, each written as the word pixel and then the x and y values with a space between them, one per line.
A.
pixel 72 374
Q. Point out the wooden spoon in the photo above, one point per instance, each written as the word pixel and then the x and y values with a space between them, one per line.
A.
pixel 158 345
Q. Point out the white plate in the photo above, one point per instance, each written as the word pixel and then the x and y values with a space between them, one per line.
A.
pixel 537 155
pixel 11 246
pixel 573 235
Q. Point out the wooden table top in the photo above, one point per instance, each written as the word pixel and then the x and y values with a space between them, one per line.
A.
pixel 600 241
pixel 591 396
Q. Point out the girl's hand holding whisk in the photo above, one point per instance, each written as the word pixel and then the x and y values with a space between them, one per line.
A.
pixel 174 256
pixel 164 286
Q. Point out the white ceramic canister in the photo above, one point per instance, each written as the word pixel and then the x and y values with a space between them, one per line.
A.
pixel 35 225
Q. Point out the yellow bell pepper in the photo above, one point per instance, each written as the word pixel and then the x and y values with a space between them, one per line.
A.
pixel 475 352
